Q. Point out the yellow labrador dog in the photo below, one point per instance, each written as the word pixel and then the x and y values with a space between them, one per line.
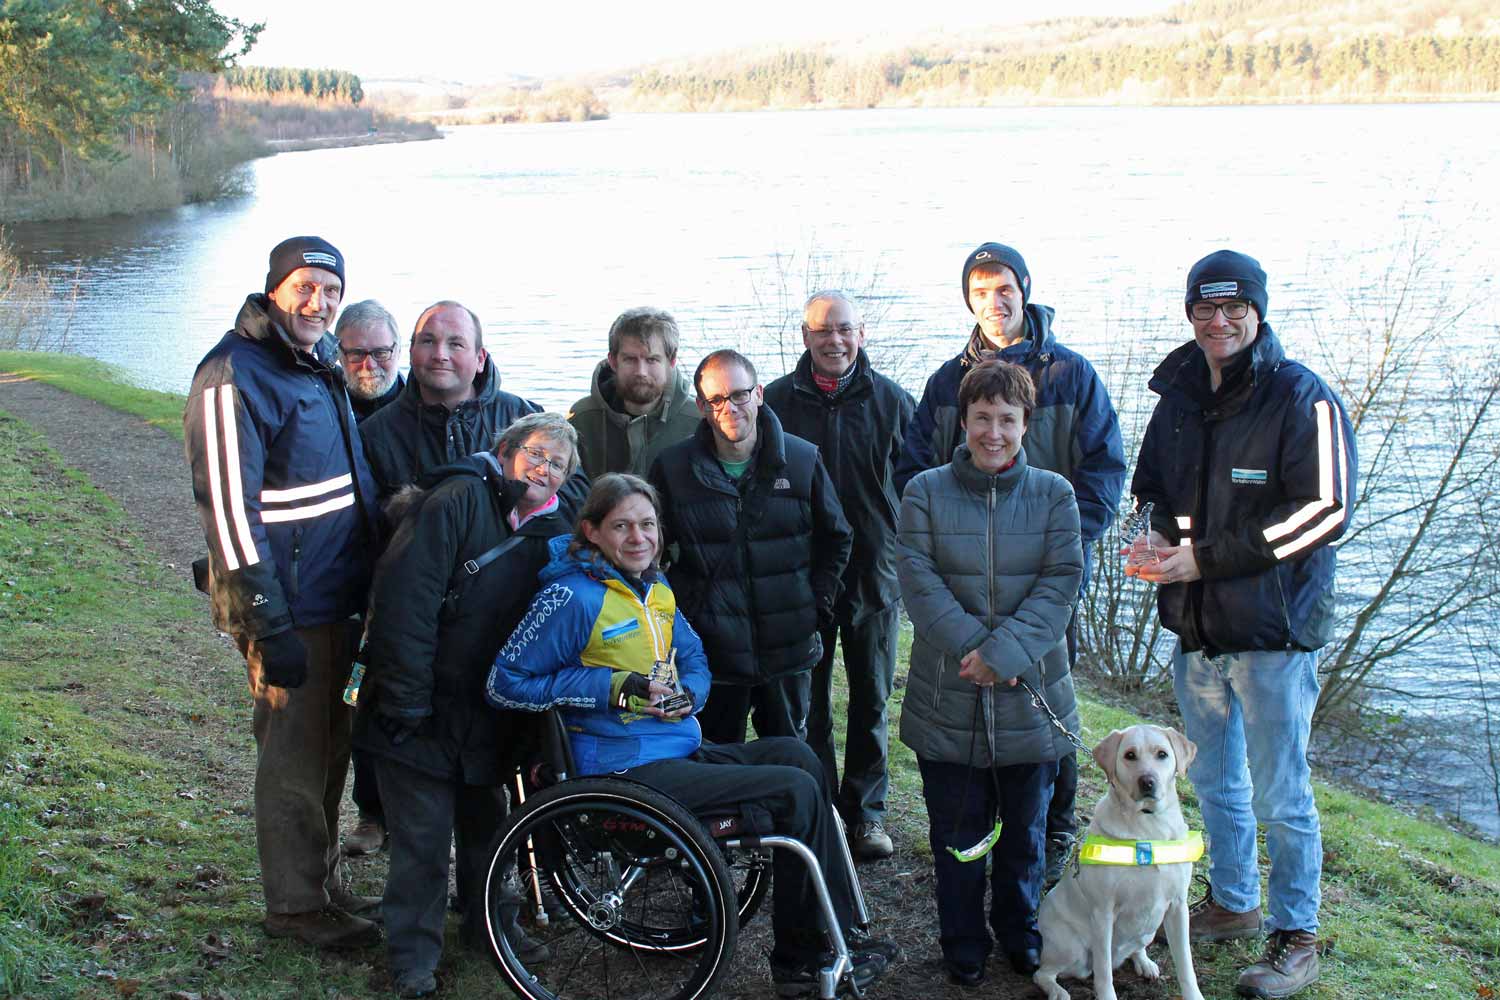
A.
pixel 1099 915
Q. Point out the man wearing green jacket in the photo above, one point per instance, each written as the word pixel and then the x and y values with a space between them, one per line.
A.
pixel 638 402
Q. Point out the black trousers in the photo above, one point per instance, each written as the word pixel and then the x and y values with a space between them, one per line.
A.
pixel 962 806
pixel 870 666
pixel 777 707
pixel 1062 816
pixel 366 793
pixel 423 814
pixel 775 783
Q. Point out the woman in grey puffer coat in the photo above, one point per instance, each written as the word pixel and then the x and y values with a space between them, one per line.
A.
pixel 990 562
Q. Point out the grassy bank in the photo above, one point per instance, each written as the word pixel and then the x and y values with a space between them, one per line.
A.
pixel 98 381
pixel 127 861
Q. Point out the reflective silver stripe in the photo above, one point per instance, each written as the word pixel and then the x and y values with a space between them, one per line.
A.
pixel 1335 518
pixel 305 492
pixel 1302 515
pixel 215 493
pixel 1184 522
pixel 232 470
pixel 303 513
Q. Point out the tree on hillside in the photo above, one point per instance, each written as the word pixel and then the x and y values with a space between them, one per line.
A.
pixel 74 72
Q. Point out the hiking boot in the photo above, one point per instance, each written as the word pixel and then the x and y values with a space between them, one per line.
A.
pixel 870 842
pixel 329 928
pixel 367 837
pixel 801 980
pixel 360 906
pixel 1208 921
pixel 1059 850
pixel 415 983
pixel 1289 964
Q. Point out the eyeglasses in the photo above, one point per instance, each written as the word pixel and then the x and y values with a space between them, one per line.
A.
pixel 536 457
pixel 356 356
pixel 843 330
pixel 738 397
pixel 1204 311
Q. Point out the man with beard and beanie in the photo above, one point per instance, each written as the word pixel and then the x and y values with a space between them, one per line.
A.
pixel 287 505
pixel 452 408
pixel 1249 459
pixel 638 403
pixel 856 416
pixel 370 355
pixel 1074 432
pixel 760 548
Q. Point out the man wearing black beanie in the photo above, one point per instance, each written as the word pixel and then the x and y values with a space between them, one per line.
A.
pixel 1074 432
pixel 1249 460
pixel 287 506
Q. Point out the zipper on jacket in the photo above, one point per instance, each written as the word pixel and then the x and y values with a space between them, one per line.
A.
pixel 989 613
pixel 294 587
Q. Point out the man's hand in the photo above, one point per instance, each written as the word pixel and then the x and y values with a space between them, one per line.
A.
pixel 1178 565
pixel 283 659
pixel 973 668
pixel 397 731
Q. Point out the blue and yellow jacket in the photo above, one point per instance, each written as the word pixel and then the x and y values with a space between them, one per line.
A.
pixel 586 622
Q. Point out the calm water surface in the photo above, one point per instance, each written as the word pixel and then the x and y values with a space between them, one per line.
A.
pixel 549 231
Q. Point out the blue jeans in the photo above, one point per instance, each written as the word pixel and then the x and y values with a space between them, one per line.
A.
pixel 1250 715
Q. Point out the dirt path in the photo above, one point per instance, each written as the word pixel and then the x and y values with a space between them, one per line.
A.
pixel 143 469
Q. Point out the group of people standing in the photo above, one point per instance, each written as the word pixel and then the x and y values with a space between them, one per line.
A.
pixel 712 541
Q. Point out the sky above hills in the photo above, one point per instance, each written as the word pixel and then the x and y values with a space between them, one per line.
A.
pixel 478 43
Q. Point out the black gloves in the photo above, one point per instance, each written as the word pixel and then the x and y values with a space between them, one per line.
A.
pixel 283 659
pixel 398 731
pixel 629 690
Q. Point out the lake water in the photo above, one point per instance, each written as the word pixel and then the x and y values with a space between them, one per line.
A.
pixel 549 231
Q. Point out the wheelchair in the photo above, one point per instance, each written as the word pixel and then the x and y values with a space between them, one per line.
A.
pixel 632 895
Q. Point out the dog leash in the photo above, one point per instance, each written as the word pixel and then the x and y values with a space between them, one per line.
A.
pixel 988 841
pixel 1046 709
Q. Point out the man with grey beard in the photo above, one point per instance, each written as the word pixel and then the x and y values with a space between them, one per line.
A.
pixel 369 351
pixel 369 354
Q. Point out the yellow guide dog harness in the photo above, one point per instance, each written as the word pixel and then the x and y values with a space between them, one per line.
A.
pixel 1096 850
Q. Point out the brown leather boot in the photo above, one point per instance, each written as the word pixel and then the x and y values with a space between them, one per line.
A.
pixel 1289 964
pixel 1208 921
pixel 329 927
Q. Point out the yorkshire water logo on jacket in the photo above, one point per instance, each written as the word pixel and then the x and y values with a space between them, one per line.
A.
pixel 1248 477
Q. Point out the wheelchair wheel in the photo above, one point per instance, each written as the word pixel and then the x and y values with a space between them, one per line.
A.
pixel 751 870
pixel 636 875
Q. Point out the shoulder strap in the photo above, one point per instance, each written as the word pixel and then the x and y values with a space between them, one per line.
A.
pixel 471 567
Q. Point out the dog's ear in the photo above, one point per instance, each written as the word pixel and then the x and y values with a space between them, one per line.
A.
pixel 1183 749
pixel 1104 753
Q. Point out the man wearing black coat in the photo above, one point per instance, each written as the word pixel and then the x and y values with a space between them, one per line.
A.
pixel 454 581
pixel 760 548
pixel 857 418
pixel 452 408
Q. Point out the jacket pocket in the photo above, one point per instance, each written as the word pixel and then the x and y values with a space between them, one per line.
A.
pixel 293 568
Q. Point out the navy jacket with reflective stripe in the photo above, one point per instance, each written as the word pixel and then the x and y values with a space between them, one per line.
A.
pixel 1260 478
pixel 280 480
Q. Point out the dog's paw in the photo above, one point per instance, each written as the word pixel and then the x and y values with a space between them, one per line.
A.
pixel 1144 967
pixel 1047 983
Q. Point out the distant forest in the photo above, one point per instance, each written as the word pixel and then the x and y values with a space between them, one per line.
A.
pixel 287 81
pixel 1210 51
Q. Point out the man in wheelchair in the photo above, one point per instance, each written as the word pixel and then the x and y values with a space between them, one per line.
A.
pixel 604 643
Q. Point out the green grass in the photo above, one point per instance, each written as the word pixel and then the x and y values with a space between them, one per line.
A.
pixel 127 858
pixel 100 382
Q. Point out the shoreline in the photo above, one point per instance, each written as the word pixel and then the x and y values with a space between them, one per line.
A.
pixel 380 138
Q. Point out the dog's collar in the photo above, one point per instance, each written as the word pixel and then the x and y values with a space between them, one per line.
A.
pixel 1097 850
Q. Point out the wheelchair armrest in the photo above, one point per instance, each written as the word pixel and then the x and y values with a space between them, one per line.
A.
pixel 557 748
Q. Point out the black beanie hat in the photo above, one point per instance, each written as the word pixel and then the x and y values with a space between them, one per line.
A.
pixel 302 251
pixel 998 253
pixel 1225 274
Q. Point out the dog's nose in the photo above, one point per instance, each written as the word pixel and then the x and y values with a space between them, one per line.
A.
pixel 1147 785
